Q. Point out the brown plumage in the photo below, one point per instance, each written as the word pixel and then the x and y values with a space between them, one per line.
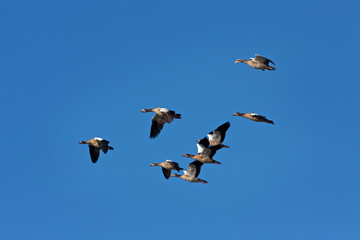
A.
pixel 167 166
pixel 162 115
pixel 95 145
pixel 192 173
pixel 254 117
pixel 258 62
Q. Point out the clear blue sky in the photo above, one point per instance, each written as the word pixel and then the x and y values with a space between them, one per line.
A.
pixel 74 70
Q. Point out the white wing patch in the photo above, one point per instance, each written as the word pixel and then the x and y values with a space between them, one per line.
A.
pixel 254 114
pixel 200 148
pixel 185 172
pixel 165 110
pixel 210 136
pixel 98 139
pixel 169 161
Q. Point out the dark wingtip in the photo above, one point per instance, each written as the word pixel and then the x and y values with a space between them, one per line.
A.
pixel 153 136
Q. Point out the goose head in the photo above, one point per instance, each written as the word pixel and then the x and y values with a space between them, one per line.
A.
pixel 238 114
pixel 239 61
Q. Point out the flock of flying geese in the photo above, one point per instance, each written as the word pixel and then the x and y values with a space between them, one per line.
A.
pixel 207 146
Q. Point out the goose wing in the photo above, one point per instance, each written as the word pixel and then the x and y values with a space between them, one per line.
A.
pixel 175 165
pixel 156 126
pixel 260 117
pixel 263 60
pixel 169 116
pixel 94 153
pixel 202 145
pixel 166 172
pixel 206 152
pixel 200 148
pixel 104 145
pixel 204 142
pixel 218 135
pixel 194 168
pixel 214 136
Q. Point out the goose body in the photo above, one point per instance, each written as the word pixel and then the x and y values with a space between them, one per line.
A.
pixel 258 62
pixel 254 117
pixel 95 145
pixel 192 173
pixel 162 116
pixel 167 166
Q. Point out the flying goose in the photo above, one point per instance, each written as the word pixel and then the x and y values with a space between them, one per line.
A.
pixel 254 117
pixel 205 153
pixel 162 115
pixel 95 145
pixel 192 173
pixel 258 62
pixel 167 166
pixel 217 136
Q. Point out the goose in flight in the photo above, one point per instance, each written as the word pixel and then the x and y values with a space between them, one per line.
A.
pixel 192 173
pixel 95 145
pixel 254 117
pixel 258 62
pixel 205 153
pixel 162 115
pixel 167 166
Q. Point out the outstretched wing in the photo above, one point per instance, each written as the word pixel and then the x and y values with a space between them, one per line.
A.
pixel 166 173
pixel 156 126
pixel 175 165
pixel 264 60
pixel 94 153
pixel 204 142
pixel 220 132
pixel 194 168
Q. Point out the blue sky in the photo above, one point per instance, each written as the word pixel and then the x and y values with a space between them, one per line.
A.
pixel 74 70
